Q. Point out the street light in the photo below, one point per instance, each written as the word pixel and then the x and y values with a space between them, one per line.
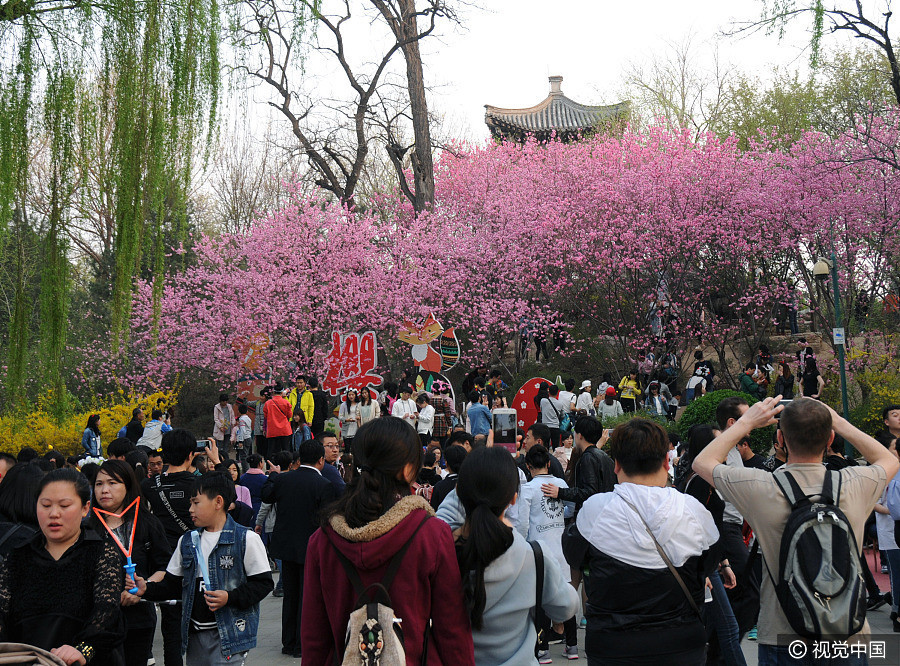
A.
pixel 821 271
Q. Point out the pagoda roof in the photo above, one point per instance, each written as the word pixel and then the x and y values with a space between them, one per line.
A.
pixel 557 113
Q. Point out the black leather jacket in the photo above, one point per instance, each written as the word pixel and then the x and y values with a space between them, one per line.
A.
pixel 594 473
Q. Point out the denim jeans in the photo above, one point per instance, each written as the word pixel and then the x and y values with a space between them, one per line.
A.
pixel 778 655
pixel 720 618
pixel 893 560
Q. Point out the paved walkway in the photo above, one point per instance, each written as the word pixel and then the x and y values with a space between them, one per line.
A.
pixel 268 650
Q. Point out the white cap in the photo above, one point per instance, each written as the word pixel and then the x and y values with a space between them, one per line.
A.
pixel 586 384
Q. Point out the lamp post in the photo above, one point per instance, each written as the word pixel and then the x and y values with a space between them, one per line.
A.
pixel 821 271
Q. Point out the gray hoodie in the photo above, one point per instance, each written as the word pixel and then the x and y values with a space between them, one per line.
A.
pixel 508 636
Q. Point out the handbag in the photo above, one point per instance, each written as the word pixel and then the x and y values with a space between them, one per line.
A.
pixel 665 558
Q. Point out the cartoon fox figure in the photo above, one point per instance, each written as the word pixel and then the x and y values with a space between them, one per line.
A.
pixel 422 337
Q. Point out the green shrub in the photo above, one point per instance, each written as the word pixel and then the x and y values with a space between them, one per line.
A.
pixel 703 410
pixel 640 414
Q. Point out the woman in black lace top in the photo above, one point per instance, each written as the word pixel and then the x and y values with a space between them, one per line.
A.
pixel 61 591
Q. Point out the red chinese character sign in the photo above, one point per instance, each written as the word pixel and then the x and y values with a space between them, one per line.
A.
pixel 351 362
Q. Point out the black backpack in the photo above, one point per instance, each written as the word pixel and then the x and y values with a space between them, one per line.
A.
pixel 820 588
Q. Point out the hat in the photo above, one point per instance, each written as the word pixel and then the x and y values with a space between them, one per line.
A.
pixel 611 390
pixel 586 384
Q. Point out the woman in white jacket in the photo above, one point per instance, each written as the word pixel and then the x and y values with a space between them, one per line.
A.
pixel 425 423
pixel 349 419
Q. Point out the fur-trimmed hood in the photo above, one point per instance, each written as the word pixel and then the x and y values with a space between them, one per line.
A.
pixel 373 544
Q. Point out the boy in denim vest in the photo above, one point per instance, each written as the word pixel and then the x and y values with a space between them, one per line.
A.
pixel 220 571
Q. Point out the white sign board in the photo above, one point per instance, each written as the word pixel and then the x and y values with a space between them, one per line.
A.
pixel 838 334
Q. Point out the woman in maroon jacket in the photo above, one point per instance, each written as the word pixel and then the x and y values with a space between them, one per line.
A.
pixel 371 522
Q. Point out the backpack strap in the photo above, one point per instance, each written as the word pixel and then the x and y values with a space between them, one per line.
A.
pixel 795 495
pixel 668 562
pixel 384 585
pixel 539 590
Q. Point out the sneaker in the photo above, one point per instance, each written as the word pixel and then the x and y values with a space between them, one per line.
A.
pixel 876 601
pixel 543 657
pixel 583 623
pixel 751 635
pixel 151 662
pixel 277 593
pixel 571 652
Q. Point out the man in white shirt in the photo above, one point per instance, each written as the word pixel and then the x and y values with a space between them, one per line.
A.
pixel 405 407
pixel 567 397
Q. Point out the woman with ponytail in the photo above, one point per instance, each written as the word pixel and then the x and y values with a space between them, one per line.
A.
pixel 498 565
pixel 370 524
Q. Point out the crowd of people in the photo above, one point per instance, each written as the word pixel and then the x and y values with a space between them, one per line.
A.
pixel 406 535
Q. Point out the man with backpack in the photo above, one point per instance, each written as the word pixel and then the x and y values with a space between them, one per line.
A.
pixel 803 513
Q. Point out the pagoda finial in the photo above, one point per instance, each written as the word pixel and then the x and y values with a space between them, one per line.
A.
pixel 556 85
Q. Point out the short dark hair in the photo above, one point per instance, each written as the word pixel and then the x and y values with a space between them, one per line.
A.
pixel 474 396
pixel 242 408
pixel 589 428
pixel 311 451
pixel 8 457
pixel 157 414
pixel 806 426
pixel 216 484
pixel 429 460
pixel 459 437
pixel 640 446
pixel 423 397
pixel 58 459
pixel 837 444
pixel 19 493
pixel 537 457
pixel 455 455
pixel 729 408
pixel 542 432
pixel 479 441
pixel 177 446
pixel 68 475
pixel 698 355
pixel 283 459
pixel 26 454
pixel 553 390
pixel 313 382
pixel 569 383
pixel 223 397
pixel 120 447
pixel 887 410
pixel 254 459
pixel 135 412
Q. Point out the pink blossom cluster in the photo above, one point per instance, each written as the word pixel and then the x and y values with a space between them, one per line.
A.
pixel 615 243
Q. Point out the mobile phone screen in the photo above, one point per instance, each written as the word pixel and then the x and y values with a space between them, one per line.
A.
pixel 504 426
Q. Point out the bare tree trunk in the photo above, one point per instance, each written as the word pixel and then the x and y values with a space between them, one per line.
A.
pixel 403 20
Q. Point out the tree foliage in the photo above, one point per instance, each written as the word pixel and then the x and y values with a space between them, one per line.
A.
pixel 149 71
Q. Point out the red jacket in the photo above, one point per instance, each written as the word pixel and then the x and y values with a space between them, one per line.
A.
pixel 278 417
pixel 427 585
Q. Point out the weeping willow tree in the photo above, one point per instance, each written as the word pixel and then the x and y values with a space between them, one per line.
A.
pixel 143 76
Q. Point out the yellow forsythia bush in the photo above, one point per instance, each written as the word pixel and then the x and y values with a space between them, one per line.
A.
pixel 40 430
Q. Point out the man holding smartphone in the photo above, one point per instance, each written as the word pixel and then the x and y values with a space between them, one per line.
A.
pixel 595 471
